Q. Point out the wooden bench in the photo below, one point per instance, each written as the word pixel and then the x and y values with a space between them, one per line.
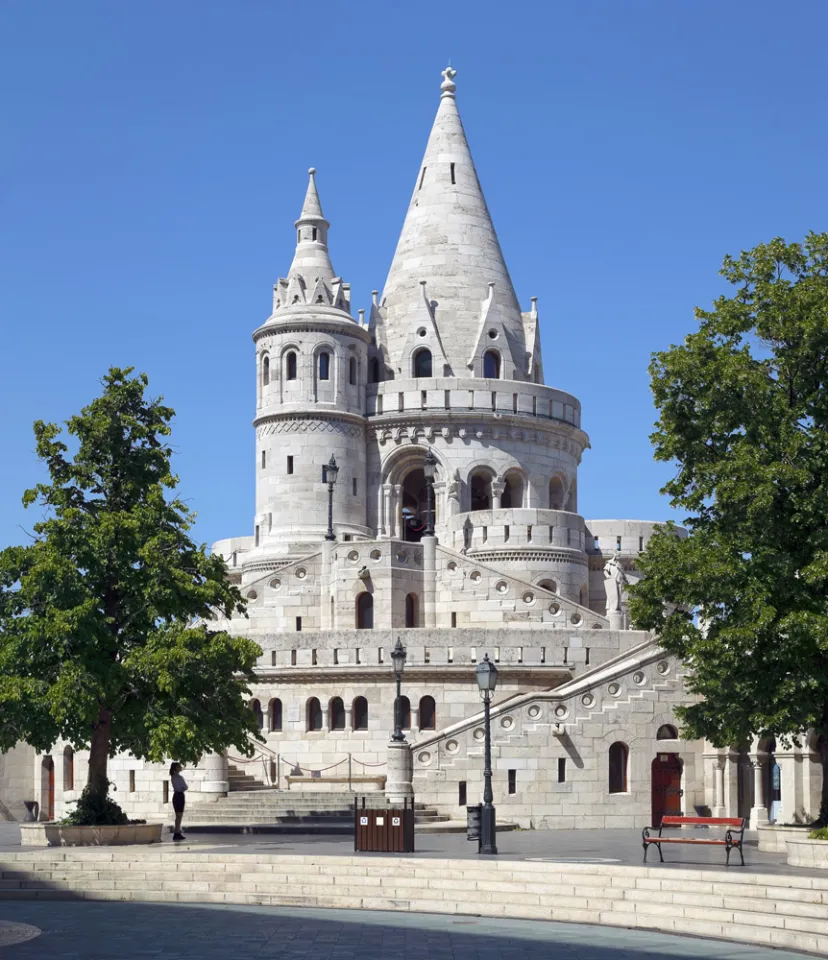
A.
pixel 734 835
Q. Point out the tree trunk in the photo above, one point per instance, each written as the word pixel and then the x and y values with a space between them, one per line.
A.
pixel 98 781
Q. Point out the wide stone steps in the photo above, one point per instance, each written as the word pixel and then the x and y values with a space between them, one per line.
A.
pixel 786 910
pixel 260 811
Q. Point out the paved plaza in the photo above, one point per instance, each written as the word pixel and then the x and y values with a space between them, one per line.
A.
pixel 576 846
pixel 102 931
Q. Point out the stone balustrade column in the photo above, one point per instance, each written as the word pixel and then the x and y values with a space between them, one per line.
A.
pixel 215 782
pixel 718 786
pixel 759 812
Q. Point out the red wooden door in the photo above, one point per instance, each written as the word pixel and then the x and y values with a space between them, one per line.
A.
pixel 666 787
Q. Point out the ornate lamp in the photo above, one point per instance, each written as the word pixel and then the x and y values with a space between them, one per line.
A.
pixel 331 472
pixel 486 676
pixel 398 655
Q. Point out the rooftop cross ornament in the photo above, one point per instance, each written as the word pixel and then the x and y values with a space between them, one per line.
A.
pixel 448 86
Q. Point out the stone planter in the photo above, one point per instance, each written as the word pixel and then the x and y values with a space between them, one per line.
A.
pixel 808 853
pixel 772 839
pixel 58 835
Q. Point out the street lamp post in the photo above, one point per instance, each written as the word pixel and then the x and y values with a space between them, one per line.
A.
pixel 486 674
pixel 331 471
pixel 398 655
pixel 429 466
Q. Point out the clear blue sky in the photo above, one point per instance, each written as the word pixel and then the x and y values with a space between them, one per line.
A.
pixel 155 157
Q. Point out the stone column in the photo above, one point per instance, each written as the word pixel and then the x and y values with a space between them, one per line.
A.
pixel 215 783
pixel 791 802
pixel 399 782
pixel 759 812
pixel 429 581
pixel 498 486
pixel 387 528
pixel 325 710
pixel 718 786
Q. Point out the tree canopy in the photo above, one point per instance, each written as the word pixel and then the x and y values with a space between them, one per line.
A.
pixel 743 412
pixel 105 633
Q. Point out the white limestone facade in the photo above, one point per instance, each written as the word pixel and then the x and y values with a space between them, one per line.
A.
pixel 446 365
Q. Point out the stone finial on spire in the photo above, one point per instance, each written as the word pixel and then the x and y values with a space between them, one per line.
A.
pixel 312 207
pixel 448 86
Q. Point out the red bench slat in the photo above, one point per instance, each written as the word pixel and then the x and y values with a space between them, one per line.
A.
pixel 702 821
pixel 683 840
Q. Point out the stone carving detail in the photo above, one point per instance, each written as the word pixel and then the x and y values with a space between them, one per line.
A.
pixel 615 579
pixel 352 430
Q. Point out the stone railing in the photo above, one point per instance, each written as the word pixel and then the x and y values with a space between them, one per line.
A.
pixel 457 396
pixel 485 529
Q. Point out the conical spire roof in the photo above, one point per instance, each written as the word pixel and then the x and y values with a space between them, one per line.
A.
pixel 311 261
pixel 448 242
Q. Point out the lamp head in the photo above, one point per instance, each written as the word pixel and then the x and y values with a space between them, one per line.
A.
pixel 486 674
pixel 398 656
pixel 429 464
pixel 331 470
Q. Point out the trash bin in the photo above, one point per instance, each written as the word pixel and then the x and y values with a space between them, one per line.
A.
pixel 474 815
pixel 383 829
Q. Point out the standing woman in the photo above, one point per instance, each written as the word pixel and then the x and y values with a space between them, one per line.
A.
pixel 179 785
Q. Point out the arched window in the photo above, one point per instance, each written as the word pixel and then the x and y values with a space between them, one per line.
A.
pixel 618 760
pixel 365 611
pixel 491 365
pixel 68 769
pixel 290 366
pixel 324 365
pixel 411 610
pixel 556 494
pixel 265 371
pixel 256 707
pixel 422 363
pixel 549 585
pixel 336 714
pixel 481 492
pixel 352 371
pixel 374 370
pixel 405 713
pixel 275 712
pixel 428 713
pixel 360 714
pixel 512 496
pixel 314 714
pixel 667 732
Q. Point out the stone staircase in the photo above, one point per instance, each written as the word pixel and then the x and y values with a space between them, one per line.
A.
pixel 257 808
pixel 789 911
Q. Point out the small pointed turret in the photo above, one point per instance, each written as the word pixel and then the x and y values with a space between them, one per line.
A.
pixel 448 239
pixel 311 261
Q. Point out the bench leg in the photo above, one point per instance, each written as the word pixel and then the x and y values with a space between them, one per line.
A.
pixel 727 850
pixel 645 851
pixel 741 854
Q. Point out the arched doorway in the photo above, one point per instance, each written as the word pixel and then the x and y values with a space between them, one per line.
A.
pixel 666 786
pixel 414 504
pixel 47 788
pixel 365 611
pixel 481 491
pixel 512 496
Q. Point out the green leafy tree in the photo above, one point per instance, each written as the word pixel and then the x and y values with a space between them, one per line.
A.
pixel 743 412
pixel 105 634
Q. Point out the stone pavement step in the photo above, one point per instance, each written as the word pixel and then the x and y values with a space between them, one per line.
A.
pixel 789 910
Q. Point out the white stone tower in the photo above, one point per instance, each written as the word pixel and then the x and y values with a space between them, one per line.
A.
pixel 310 402
pixel 457 368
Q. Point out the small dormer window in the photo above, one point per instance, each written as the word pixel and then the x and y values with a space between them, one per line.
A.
pixel 422 363
pixel 491 365
pixel 314 233
pixel 265 371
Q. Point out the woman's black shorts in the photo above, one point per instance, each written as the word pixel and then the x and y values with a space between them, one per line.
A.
pixel 178 801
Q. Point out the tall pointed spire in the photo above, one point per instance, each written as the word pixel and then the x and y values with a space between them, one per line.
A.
pixel 311 260
pixel 449 241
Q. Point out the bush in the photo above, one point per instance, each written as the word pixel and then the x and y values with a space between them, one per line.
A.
pixel 94 810
pixel 820 834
